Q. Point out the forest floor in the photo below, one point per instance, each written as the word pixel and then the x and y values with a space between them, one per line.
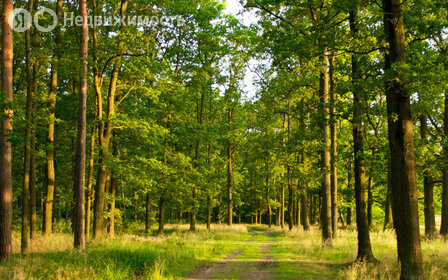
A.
pixel 237 252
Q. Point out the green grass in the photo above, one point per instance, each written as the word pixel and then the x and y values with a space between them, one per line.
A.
pixel 296 255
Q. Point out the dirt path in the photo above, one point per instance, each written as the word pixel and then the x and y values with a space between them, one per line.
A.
pixel 259 267
pixel 210 271
pixel 264 266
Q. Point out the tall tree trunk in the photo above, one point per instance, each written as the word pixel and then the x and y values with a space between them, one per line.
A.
pixel 428 187
pixel 90 179
pixel 290 201
pixel 229 174
pixel 198 158
pixel 325 153
pixel 334 150
pixel 364 247
pixel 113 188
pixel 26 169
pixel 49 197
pixel 33 191
pixel 268 198
pixel 162 200
pixel 80 168
pixel 444 225
pixel 370 192
pixel 401 144
pixel 5 133
pixel 105 133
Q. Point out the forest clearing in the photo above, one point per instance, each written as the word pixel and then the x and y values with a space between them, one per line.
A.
pixel 224 139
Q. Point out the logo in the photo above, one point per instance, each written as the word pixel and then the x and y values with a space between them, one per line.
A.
pixel 20 20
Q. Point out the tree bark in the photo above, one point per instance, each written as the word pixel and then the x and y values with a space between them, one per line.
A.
pixel 80 168
pixel 388 219
pixel 148 213
pixel 27 157
pixel 428 187
pixel 33 194
pixel 401 144
pixel 164 187
pixel 197 163
pixel 49 197
pixel 229 174
pixel 334 150
pixel 325 215
pixel 364 247
pixel 268 198
pixel 444 225
pixel 5 133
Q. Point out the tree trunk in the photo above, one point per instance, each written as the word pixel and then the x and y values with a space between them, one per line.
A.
pixel 49 197
pixel 364 247
pixel 349 215
pixel 90 180
pixel 197 163
pixel 268 198
pixel 428 187
pixel 334 150
pixel 26 170
pixel 370 193
pixel 80 168
pixel 388 219
pixel 290 201
pixel 229 174
pixel 304 211
pixel 401 144
pixel 113 189
pixel 325 154
pixel 164 188
pixel 33 194
pixel 444 225
pixel 5 133
pixel 148 213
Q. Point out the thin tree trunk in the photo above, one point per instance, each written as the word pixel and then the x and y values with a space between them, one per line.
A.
pixel 364 247
pixel 325 216
pixel 33 194
pixel 198 158
pixel 370 193
pixel 444 225
pixel 164 188
pixel 388 219
pixel 90 180
pixel 113 189
pixel 428 186
pixel 290 201
pixel 148 213
pixel 229 174
pixel 334 150
pixel 268 198
pixel 49 197
pixel 401 144
pixel 80 168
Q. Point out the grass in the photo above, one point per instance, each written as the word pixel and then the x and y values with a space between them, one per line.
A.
pixel 296 255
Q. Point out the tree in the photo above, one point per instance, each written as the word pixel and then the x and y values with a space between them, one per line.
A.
pixel 401 144
pixel 364 247
pixel 49 196
pixel 80 168
pixel 5 133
